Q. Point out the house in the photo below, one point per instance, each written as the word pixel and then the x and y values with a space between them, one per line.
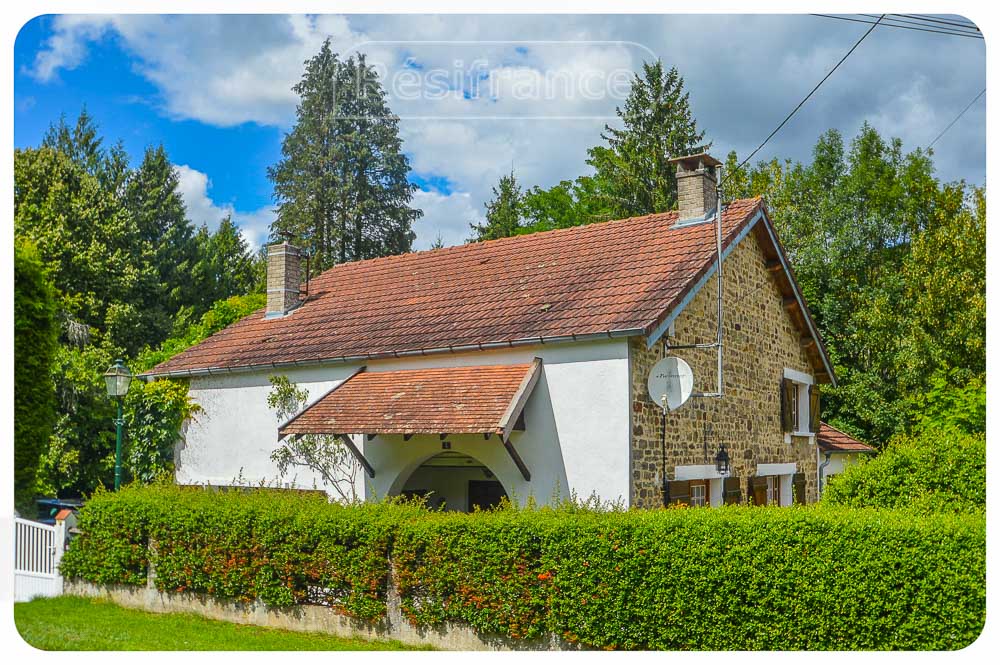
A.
pixel 519 366
pixel 838 450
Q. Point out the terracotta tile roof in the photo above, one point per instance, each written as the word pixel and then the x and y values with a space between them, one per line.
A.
pixel 453 400
pixel 831 439
pixel 618 277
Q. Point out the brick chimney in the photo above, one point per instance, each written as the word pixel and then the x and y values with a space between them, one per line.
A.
pixel 696 186
pixel 284 273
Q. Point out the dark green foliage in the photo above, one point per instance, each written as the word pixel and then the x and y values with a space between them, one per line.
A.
pixel 341 185
pixel 218 316
pixel 503 214
pixel 281 548
pixel 892 265
pixel 36 331
pixel 226 267
pixel 128 270
pixel 632 172
pixel 114 548
pixel 939 470
pixel 731 578
pixel 154 414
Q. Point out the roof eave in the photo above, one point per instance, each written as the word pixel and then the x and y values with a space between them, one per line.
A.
pixel 461 348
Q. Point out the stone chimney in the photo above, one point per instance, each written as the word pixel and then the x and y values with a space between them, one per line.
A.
pixel 696 186
pixel 284 273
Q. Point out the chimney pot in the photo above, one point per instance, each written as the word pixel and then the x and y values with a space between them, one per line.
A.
pixel 696 186
pixel 284 274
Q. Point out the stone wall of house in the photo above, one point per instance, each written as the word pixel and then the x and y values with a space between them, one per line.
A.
pixel 760 340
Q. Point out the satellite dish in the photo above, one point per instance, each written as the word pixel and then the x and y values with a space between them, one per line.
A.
pixel 673 378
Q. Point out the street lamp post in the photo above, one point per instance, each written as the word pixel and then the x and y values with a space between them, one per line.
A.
pixel 118 379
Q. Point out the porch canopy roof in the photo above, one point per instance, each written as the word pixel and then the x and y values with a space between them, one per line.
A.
pixel 485 399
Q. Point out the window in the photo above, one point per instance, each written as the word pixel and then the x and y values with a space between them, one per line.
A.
pixel 799 404
pixel 699 492
pixel 773 491
pixel 796 425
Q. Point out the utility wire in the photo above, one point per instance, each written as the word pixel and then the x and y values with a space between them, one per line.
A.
pixel 904 27
pixel 893 23
pixel 811 92
pixel 945 130
pixel 931 19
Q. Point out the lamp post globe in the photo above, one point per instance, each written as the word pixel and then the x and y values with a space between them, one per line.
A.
pixel 117 380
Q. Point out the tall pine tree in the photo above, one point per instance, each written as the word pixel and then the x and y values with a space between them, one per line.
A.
pixel 341 186
pixel 632 173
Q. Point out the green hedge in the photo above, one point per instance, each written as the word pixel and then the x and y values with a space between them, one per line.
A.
pixel 729 578
pixel 938 470
pixel 278 547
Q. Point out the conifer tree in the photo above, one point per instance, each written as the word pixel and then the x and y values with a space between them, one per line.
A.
pixel 633 176
pixel 341 186
pixel 503 212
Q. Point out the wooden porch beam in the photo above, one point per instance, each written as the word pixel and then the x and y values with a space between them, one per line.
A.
pixel 518 462
pixel 512 416
pixel 357 455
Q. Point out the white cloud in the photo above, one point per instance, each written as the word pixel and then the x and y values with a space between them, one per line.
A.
pixel 743 73
pixel 446 216
pixel 67 47
pixel 193 186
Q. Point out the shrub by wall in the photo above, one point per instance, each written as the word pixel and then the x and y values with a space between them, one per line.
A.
pixel 729 578
pixel 281 548
pixel 937 470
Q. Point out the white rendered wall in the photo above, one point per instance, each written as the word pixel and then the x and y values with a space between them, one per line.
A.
pixel 838 462
pixel 576 426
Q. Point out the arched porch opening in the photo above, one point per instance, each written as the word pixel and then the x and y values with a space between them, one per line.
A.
pixel 452 480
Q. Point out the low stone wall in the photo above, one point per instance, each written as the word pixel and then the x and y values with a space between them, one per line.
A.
pixel 310 618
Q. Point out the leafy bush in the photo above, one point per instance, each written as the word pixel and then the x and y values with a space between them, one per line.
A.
pixel 278 547
pixel 732 578
pixel 35 336
pixel 154 415
pixel 729 578
pixel 938 470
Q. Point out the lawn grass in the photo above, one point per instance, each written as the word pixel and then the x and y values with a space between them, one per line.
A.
pixel 73 623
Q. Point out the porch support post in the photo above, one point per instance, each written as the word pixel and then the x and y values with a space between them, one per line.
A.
pixel 521 466
pixel 357 455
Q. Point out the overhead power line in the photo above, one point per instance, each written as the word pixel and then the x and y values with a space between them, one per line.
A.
pixel 811 92
pixel 931 19
pixel 886 24
pixel 893 23
pixel 957 117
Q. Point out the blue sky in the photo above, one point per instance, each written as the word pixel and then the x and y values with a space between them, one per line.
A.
pixel 215 90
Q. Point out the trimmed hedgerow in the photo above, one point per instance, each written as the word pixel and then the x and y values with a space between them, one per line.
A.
pixel 732 578
pixel 728 578
pixel 280 548
pixel 114 545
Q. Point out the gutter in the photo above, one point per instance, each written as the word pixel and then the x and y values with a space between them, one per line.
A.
pixel 482 346
pixel 821 472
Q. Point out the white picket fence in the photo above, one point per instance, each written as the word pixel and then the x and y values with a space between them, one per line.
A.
pixel 38 548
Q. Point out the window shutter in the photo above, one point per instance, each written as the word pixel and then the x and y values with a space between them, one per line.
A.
pixel 731 491
pixel 757 490
pixel 787 395
pixel 679 491
pixel 799 483
pixel 814 409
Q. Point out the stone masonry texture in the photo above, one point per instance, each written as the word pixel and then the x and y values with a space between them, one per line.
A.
pixel 283 277
pixel 760 340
